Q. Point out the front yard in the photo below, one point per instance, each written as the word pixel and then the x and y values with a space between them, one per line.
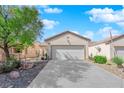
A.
pixel 112 68
pixel 115 66
pixel 25 78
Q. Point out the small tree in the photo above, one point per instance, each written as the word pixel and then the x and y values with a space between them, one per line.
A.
pixel 19 27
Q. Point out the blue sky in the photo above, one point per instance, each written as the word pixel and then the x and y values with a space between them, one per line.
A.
pixel 93 22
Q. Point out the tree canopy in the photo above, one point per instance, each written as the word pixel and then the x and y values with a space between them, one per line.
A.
pixel 19 27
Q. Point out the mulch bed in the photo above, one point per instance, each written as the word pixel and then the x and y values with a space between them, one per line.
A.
pixel 26 77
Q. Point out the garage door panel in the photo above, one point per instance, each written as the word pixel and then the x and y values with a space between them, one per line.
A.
pixel 68 52
pixel 120 51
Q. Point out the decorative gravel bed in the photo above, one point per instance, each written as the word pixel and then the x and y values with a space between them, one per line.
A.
pixel 26 77
pixel 113 69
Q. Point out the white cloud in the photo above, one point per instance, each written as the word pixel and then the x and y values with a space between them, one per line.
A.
pixel 121 24
pixel 53 10
pixel 102 33
pixel 49 24
pixel 106 15
pixel 44 6
pixel 39 11
pixel 48 9
pixel 40 8
pixel 105 32
pixel 89 34
pixel 76 32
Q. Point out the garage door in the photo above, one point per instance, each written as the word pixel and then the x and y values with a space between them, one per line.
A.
pixel 68 52
pixel 120 51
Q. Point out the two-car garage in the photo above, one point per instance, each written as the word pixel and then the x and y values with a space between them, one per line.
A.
pixel 119 51
pixel 68 52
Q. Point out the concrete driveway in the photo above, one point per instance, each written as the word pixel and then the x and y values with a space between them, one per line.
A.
pixel 75 74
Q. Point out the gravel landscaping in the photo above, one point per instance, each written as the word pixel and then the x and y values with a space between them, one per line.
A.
pixel 111 67
pixel 26 77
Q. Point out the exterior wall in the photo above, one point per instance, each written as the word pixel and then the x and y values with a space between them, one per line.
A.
pixel 105 50
pixel 34 51
pixel 86 51
pixel 67 39
pixel 119 42
pixel 2 56
pixel 31 52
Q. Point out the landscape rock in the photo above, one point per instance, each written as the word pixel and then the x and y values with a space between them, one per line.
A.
pixel 26 77
pixel 14 74
pixel 27 65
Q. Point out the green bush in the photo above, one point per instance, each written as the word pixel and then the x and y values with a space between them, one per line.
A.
pixel 10 64
pixel 100 59
pixel 118 61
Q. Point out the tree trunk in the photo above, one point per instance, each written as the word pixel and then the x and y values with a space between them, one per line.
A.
pixel 6 50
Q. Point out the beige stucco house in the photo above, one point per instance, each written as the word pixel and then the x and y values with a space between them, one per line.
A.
pixel 67 45
pixel 108 49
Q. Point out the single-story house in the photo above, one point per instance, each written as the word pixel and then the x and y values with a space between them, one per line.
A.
pixel 36 50
pixel 108 47
pixel 67 45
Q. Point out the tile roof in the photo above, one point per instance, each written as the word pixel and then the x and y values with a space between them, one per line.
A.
pixel 106 40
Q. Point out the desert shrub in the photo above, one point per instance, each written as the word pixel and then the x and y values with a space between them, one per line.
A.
pixel 46 56
pixel 1 68
pixel 10 64
pixel 100 59
pixel 118 61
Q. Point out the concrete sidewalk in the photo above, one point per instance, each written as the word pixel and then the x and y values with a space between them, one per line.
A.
pixel 75 74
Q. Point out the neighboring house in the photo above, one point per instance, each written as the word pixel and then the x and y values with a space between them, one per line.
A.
pixel 67 45
pixel 36 50
pixel 108 49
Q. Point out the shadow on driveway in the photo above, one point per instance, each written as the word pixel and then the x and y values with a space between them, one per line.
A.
pixel 74 74
pixel 56 71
